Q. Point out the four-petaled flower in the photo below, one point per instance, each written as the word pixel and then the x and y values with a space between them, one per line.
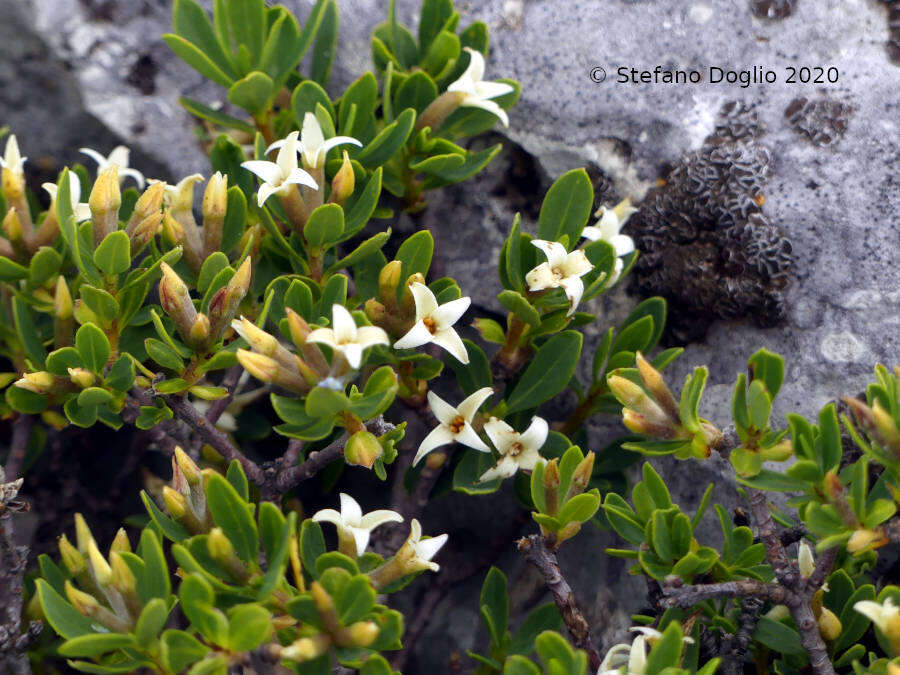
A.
pixel 562 270
pixel 279 175
pixel 434 323
pixel 455 423
pixel 478 93
pixel 517 450
pixel 313 145
pixel 12 159
pixel 421 550
pixel 609 228
pixel 179 197
pixel 345 337
pixel 81 209
pixel 885 615
pixel 354 527
pixel 118 157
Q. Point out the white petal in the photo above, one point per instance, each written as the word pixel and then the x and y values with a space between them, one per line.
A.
pixel 425 301
pixel 450 312
pixel 450 340
pixel 637 657
pixel 475 70
pixel 426 549
pixel 417 336
pixel 493 89
pixel 534 437
pixel 473 402
pixel 367 336
pixel 124 172
pixel 439 436
pixel 96 156
pixel 74 188
pixel 501 434
pixel 443 411
pixel 268 171
pixel 622 243
pixel 871 610
pixel 338 140
pixel 119 156
pixel 505 468
pixel 350 510
pixel 328 516
pixel 361 538
pixel 574 288
pixel 609 223
pixel 82 212
pixel 52 189
pixel 266 190
pixel 528 459
pixel 541 278
pixel 376 518
pixel 576 264
pixel 646 631
pixel 490 106
pixel 287 154
pixel 555 252
pixel 353 353
pixel 470 439
pixel 592 233
pixel 415 531
pixel 311 137
pixel 343 324
pixel 324 336
pixel 300 177
pixel 607 665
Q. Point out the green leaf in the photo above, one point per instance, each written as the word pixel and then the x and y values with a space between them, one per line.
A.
pixel 474 375
pixel 230 513
pixel 778 636
pixel 690 399
pixel 393 137
pixel 516 303
pixel 281 53
pixel 759 405
pixel 361 205
pixel 180 649
pixel 43 267
pixel 63 617
pixel 12 271
pixel 495 605
pixel 27 332
pixel 357 105
pixel 247 20
pixel 769 368
pixel 548 373
pixel 579 509
pixel 305 97
pixel 361 252
pixel 199 61
pixel 113 255
pixel 154 582
pixel 416 92
pixel 312 544
pixel 324 402
pixel 325 225
pixel 545 617
pixel 248 627
pixel 100 303
pixel 150 622
pixel 192 23
pixel 415 253
pixel 93 347
pixel 520 665
pixel 567 207
pixel 169 527
pixel 254 92
pixel 96 644
pixel 203 111
pixel 326 43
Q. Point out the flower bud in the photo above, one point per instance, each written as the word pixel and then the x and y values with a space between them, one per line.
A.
pixel 551 486
pixel 39 383
pixel 83 536
pixel 805 561
pixel 829 625
pixel 263 368
pixel 215 199
pixel 639 424
pixel 81 378
pixel 71 558
pixel 99 566
pixel 120 543
pixel 298 327
pixel 83 602
pixel 188 467
pixel 581 476
pixel 363 633
pixel 627 392
pixel 388 281
pixel 104 201
pixel 199 334
pixel 144 231
pixel 62 300
pixel 12 226
pixel 148 204
pixel 175 502
pixel 323 602
pixel 344 182
pixel 362 449
pixel 656 385
pixel 887 427
pixel 172 230
pixel 258 339
pixel 306 649
pixel 374 310
pixel 224 304
pixel 408 302
pixel 176 300
pixel 866 540
pixel 220 547
pixel 122 576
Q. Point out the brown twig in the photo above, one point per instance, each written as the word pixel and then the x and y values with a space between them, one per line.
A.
pixel 536 552
pixel 13 642
pixel 18 446
pixel 688 596
pixel 734 647
pixel 230 383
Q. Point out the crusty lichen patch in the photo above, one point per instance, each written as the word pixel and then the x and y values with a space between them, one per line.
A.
pixel 822 120
pixel 705 242
pixel 772 9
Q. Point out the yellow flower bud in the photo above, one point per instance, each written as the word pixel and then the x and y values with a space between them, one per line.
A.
pixel 323 602
pixel 83 602
pixel 199 334
pixel 175 502
pixel 551 486
pixel 388 281
pixel 888 427
pixel 263 368
pixel 62 300
pixel 220 547
pixel 215 200
pixel 188 467
pixel 12 226
pixel 81 377
pixel 656 385
pixel 362 449
pixel 71 558
pixel 306 649
pixel 344 182
pixel 148 204
pixel 829 625
pixel 99 566
pixel 363 633
pixel 120 543
pixel 83 535
pixel 866 540
pixel 122 576
pixel 258 339
pixel 39 383
pixel 104 201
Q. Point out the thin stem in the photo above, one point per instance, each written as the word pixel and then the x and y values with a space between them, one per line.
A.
pixel 688 596
pixel 538 554
pixel 18 445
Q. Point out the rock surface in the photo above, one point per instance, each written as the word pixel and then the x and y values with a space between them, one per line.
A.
pixel 94 72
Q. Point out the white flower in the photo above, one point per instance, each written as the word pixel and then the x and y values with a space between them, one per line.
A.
pixel 313 145
pixel 279 175
pixel 636 662
pixel 609 227
pixel 455 423
pixel 517 450
pixel 478 92
pixel 81 210
pixel 345 337
pixel 12 160
pixel 434 323
pixel 562 270
pixel 352 524
pixel 179 197
pixel 886 616
pixel 119 157
pixel 423 549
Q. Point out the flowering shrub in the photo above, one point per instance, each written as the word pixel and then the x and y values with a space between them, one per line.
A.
pixel 288 296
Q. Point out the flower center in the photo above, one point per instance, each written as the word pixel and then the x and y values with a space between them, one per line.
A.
pixel 558 273
pixel 516 449
pixel 430 324
pixel 457 424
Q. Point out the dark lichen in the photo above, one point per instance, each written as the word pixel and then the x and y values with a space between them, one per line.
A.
pixel 772 9
pixel 705 242
pixel 893 44
pixel 823 120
